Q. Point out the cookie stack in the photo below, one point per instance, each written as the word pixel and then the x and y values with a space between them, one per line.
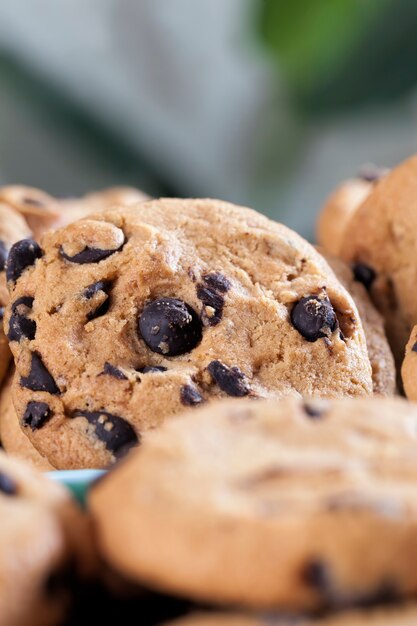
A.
pixel 246 379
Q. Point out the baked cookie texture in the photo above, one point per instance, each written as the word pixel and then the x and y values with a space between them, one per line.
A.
pixel 271 505
pixel 29 212
pixel 381 242
pixel 120 320
pixel 337 212
pixel 42 536
pixel 379 351
pixel 12 438
pixel 409 367
pixel 388 616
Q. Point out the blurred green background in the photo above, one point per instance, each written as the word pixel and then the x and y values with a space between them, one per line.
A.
pixel 268 103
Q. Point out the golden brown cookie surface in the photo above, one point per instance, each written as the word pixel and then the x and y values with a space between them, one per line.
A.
pixel 137 312
pixel 381 242
pixel 12 438
pixel 41 535
pixel 379 351
pixel 270 504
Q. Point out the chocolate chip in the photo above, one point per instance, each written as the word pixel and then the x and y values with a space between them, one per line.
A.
pixel 89 255
pixel 113 371
pixel 372 173
pixel 39 378
pixel 214 301
pixel 316 574
pixel 20 326
pixel 151 369
pixel 170 326
pixel 314 410
pixel 90 292
pixel 218 282
pixel 414 348
pixel 7 485
pixel 36 415
pixel 22 255
pixel 114 431
pixel 231 380
pixel 364 274
pixel 190 396
pixel 314 317
pixel 1 314
pixel 3 255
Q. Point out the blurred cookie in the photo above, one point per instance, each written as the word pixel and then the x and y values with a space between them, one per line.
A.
pixel 122 319
pixel 12 438
pixel 270 505
pixel 381 243
pixel 12 228
pixel 337 212
pixel 380 355
pixel 40 526
pixel 385 616
pixel 76 208
pixel 39 209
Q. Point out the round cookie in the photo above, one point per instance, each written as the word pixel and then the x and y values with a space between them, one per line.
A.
pixel 381 242
pixel 386 616
pixel 380 355
pixel 136 312
pixel 338 210
pixel 39 525
pixel 12 438
pixel 271 505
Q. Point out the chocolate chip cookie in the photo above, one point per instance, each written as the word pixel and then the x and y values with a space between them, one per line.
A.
pixel 12 438
pixel 380 355
pixel 273 505
pixel 381 243
pixel 123 319
pixel 338 210
pixel 392 616
pixel 39 527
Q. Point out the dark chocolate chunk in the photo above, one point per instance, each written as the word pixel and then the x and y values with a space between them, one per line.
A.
pixel 218 282
pixel 36 415
pixel 372 173
pixel 39 378
pixel 190 396
pixel 114 431
pixel 89 293
pixel 22 255
pixel 315 574
pixel 170 326
pixel 111 370
pixel 364 274
pixel 89 255
pixel 314 410
pixel 314 317
pixel 3 255
pixel 231 380
pixel 33 202
pixel 20 326
pixel 151 369
pixel 211 298
pixel 414 348
pixel 7 485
